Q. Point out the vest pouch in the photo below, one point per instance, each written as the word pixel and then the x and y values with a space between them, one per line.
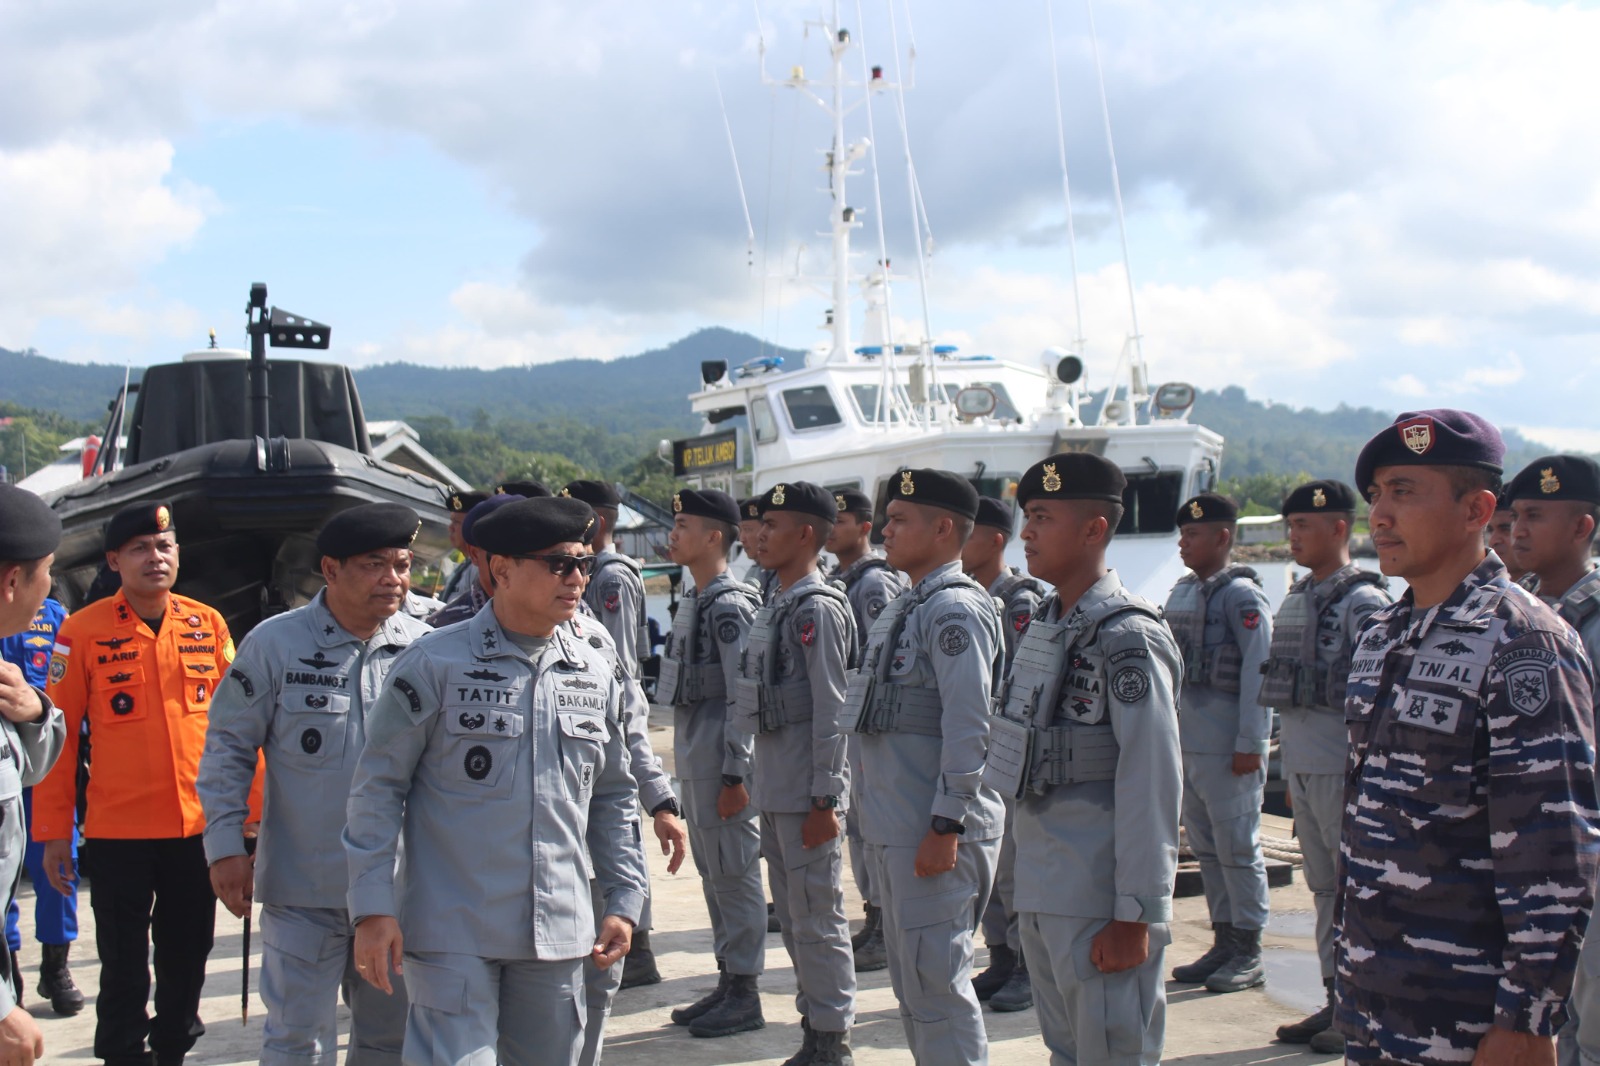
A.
pixel 669 683
pixel 1228 661
pixel 747 705
pixel 860 708
pixel 1005 766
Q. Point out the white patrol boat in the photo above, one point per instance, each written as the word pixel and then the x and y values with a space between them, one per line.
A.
pixel 856 411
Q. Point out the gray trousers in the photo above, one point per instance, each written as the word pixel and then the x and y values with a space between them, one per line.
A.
pixel 1222 815
pixel 860 865
pixel 1318 801
pixel 306 958
pixel 600 989
pixel 467 1010
pixel 727 855
pixel 927 929
pixel 1000 916
pixel 1090 1017
pixel 1579 1043
pixel 809 898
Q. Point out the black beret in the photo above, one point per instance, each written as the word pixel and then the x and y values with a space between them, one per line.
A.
pixel 531 490
pixel 996 513
pixel 368 528
pixel 1072 476
pixel 462 502
pixel 1557 477
pixel 29 529
pixel 1502 502
pixel 487 507
pixel 935 488
pixel 707 503
pixel 1320 497
pixel 801 496
pixel 527 526
pixel 1442 437
pixel 593 493
pixel 853 501
pixel 1208 507
pixel 137 520
pixel 750 509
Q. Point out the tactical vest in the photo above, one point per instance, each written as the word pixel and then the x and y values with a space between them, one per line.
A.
pixel 1186 617
pixel 1577 610
pixel 1013 583
pixel 874 703
pixel 848 579
pixel 1294 674
pixel 642 638
pixel 1051 725
pixel 762 701
pixel 684 682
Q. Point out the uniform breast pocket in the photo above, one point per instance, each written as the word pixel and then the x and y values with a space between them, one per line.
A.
pixel 199 684
pixel 583 739
pixel 481 758
pixel 118 692
pixel 311 726
pixel 1431 751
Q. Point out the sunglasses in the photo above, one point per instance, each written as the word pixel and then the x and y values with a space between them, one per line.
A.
pixel 562 565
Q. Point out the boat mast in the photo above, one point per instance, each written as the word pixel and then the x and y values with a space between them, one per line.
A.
pixel 843 215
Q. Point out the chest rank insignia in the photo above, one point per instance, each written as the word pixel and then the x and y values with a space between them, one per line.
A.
pixel 1548 482
pixel 1052 480
pixel 907 486
pixel 777 495
pixel 1195 510
pixel 677 503
pixel 1319 498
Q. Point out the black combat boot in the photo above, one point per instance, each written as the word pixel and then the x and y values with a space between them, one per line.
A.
pixel 873 954
pixel 739 1011
pixel 1002 960
pixel 808 1045
pixel 55 980
pixel 685 1015
pixel 1244 970
pixel 639 965
pixel 1017 993
pixel 874 916
pixel 1328 1042
pixel 1302 1031
pixel 833 1049
pixel 1220 952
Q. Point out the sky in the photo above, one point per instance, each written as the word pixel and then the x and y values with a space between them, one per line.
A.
pixel 1385 204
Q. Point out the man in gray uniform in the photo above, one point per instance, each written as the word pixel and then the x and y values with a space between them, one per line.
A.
pixel 1556 500
pixel 496 750
pixel 1005 983
pixel 1086 738
pixel 757 576
pixel 869 583
pixel 1220 619
pixel 33 731
pixel 616 592
pixel 790 694
pixel 465 575
pixel 920 705
pixel 470 600
pixel 298 692
pixel 1314 638
pixel 699 671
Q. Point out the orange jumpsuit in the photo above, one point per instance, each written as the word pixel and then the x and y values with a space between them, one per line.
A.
pixel 146 696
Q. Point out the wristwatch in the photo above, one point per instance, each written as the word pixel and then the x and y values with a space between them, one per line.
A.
pixel 667 805
pixel 947 826
pixel 732 780
pixel 824 803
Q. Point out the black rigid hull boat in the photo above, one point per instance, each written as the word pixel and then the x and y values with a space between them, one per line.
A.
pixel 254 457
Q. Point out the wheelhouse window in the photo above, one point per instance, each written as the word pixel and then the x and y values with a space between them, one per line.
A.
pixel 1004 409
pixel 810 408
pixel 866 398
pixel 1150 502
pixel 762 423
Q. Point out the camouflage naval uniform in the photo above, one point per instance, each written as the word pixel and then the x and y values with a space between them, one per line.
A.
pixel 1470 842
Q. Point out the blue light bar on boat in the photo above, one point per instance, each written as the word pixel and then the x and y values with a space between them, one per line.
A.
pixel 764 365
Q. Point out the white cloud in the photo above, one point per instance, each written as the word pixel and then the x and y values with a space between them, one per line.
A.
pixel 1563 438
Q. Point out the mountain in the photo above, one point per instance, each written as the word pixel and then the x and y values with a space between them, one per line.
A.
pixel 80 391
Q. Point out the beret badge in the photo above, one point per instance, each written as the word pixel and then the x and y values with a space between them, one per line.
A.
pixel 1052 480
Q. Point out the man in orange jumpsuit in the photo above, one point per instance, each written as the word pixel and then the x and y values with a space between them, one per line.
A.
pixel 141 666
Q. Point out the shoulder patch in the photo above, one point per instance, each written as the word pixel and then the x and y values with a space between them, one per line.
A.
pixel 1250 618
pixel 405 688
pixel 1130 684
pixel 244 682
pixel 808 632
pixel 613 600
pixel 728 631
pixel 875 606
pixel 1129 653
pixel 954 639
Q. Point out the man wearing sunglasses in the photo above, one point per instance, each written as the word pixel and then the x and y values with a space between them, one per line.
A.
pixel 497 748
pixel 298 693
pixel 790 694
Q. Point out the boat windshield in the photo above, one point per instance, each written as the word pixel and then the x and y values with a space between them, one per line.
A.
pixel 810 407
